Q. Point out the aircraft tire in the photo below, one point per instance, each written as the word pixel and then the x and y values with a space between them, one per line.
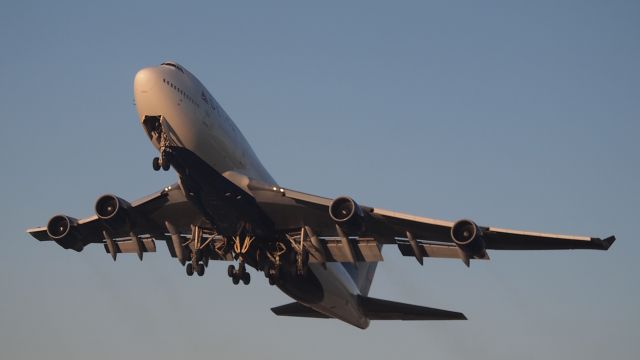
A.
pixel 200 269
pixel 156 163
pixel 166 165
pixel 189 269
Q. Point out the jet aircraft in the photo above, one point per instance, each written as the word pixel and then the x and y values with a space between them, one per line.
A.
pixel 225 206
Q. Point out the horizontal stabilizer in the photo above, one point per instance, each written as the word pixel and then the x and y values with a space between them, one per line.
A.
pixel 298 310
pixel 377 309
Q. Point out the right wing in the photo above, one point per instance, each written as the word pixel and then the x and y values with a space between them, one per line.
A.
pixel 132 228
pixel 331 239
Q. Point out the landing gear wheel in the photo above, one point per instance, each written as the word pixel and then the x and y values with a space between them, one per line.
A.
pixel 166 164
pixel 272 276
pixel 231 270
pixel 156 163
pixel 235 279
pixel 246 278
pixel 200 269
pixel 189 269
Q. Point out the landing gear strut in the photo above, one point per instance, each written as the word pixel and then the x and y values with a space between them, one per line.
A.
pixel 301 254
pixel 198 262
pixel 272 271
pixel 164 161
pixel 240 249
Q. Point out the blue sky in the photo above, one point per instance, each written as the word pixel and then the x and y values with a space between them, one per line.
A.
pixel 515 114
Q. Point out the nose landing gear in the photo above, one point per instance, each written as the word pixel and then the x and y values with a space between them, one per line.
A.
pixel 164 161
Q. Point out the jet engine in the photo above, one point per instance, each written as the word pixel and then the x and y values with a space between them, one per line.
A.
pixel 347 214
pixel 468 237
pixel 113 211
pixel 62 229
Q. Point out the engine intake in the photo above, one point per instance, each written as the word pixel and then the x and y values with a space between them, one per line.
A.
pixel 468 237
pixel 347 214
pixel 112 210
pixel 62 229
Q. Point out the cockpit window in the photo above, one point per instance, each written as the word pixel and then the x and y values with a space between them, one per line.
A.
pixel 174 65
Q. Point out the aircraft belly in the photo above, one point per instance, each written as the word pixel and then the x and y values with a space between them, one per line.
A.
pixel 340 295
pixel 224 203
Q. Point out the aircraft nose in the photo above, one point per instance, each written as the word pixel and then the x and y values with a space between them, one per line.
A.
pixel 144 81
pixel 143 85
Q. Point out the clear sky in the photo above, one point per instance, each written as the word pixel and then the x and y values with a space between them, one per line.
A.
pixel 514 114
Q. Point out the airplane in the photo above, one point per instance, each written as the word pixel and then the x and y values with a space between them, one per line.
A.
pixel 225 206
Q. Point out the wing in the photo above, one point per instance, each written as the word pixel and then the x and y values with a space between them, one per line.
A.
pixel 346 231
pixel 123 227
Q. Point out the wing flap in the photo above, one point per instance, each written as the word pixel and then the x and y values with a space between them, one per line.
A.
pixel 130 246
pixel 444 251
pixel 364 250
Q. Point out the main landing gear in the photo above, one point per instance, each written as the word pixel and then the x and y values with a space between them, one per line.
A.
pixel 239 274
pixel 199 269
pixel 240 249
pixel 272 269
pixel 199 261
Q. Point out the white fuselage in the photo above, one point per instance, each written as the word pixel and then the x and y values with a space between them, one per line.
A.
pixel 199 121
pixel 200 125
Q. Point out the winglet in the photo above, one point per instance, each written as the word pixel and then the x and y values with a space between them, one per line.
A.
pixel 606 243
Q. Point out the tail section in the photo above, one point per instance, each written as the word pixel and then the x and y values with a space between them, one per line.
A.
pixel 362 275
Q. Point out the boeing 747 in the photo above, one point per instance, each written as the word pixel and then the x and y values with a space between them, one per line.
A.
pixel 225 206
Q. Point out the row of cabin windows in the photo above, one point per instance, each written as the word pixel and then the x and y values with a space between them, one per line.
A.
pixel 181 92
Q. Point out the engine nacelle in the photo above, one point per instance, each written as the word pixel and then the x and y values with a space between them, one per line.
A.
pixel 113 211
pixel 347 214
pixel 468 237
pixel 62 229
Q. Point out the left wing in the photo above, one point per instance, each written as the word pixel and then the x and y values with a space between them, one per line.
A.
pixel 124 227
pixel 346 231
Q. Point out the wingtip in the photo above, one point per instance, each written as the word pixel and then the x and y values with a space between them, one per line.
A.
pixel 39 233
pixel 606 243
pixel 603 244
